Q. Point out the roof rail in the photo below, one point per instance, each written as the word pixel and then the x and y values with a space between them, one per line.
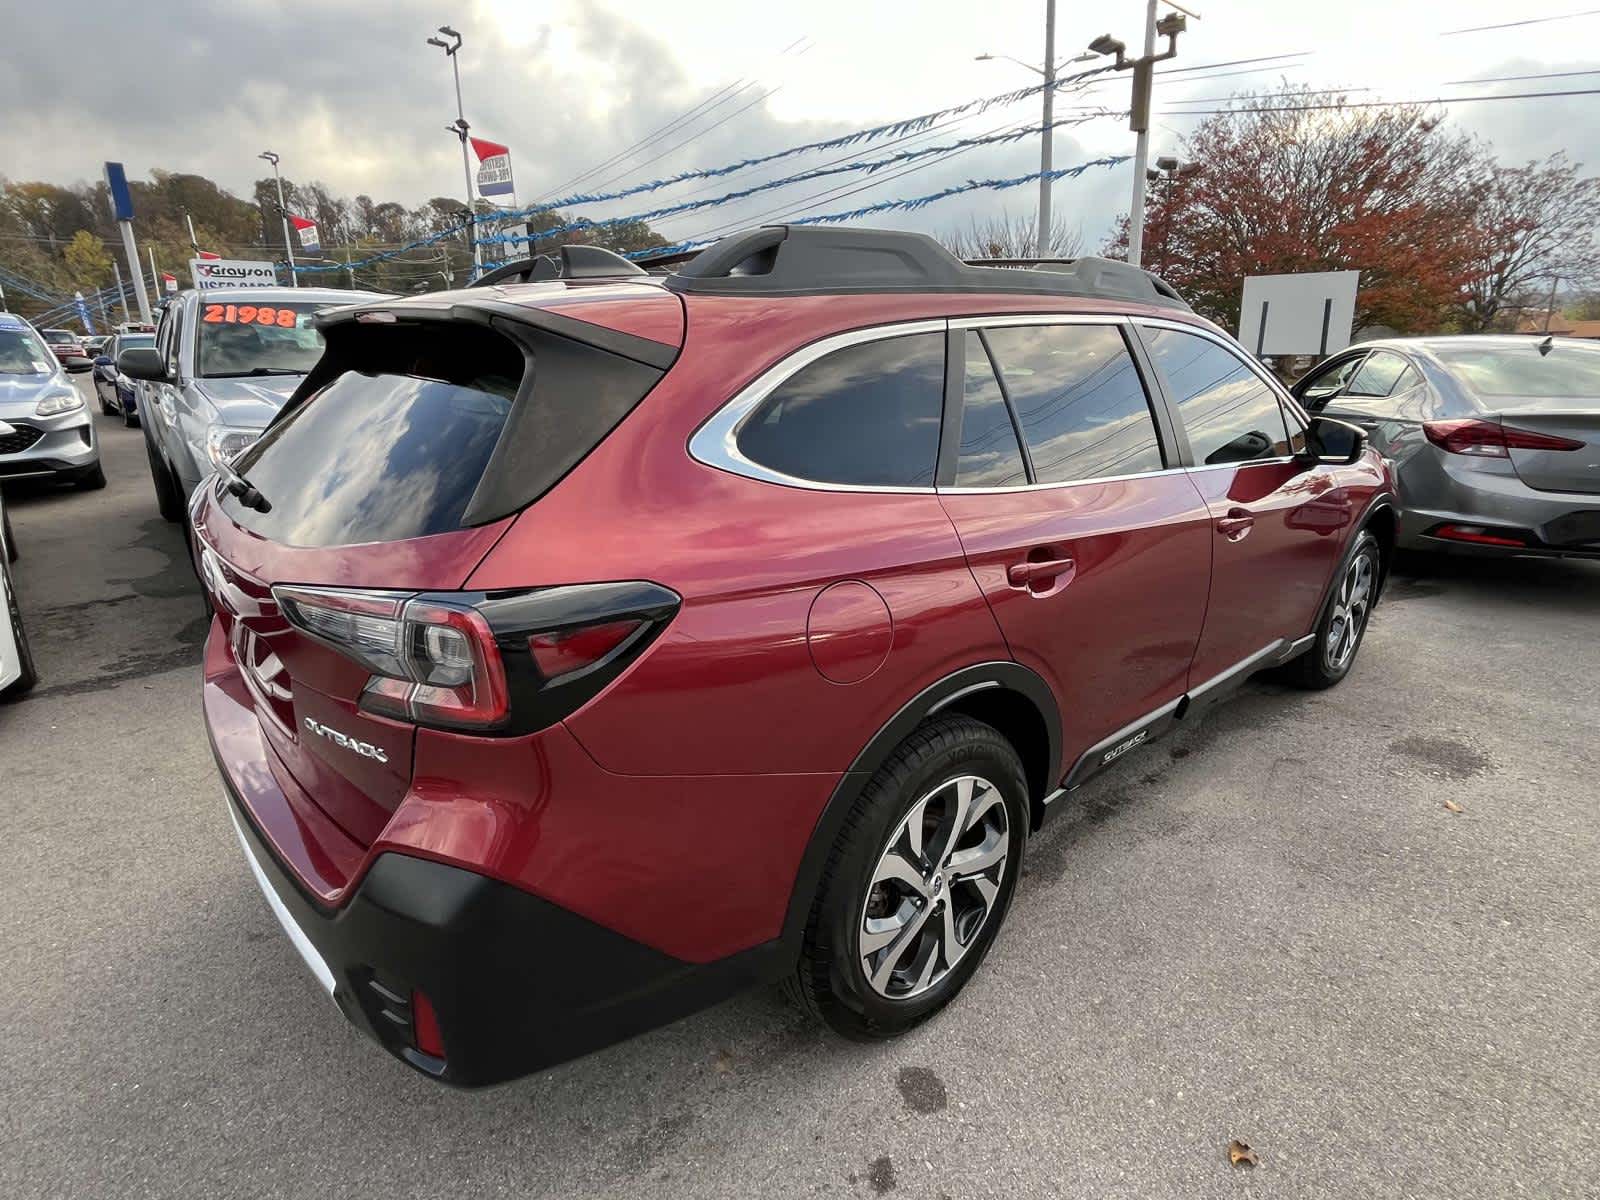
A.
pixel 801 260
pixel 577 262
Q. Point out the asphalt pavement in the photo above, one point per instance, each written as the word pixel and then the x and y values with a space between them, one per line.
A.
pixel 1273 927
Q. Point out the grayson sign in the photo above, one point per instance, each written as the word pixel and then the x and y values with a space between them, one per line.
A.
pixel 211 274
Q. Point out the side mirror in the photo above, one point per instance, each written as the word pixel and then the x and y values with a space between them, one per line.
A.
pixel 102 360
pixel 1336 442
pixel 142 362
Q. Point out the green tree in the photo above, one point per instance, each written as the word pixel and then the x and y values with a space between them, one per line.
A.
pixel 88 261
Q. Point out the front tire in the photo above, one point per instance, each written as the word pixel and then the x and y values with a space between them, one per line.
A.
pixel 1344 619
pixel 169 500
pixel 917 884
pixel 92 479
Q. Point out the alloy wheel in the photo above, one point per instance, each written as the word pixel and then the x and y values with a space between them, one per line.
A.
pixel 934 887
pixel 1351 606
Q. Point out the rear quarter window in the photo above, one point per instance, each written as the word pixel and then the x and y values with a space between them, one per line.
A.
pixel 866 415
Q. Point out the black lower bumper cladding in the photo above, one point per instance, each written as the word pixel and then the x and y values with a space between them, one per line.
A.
pixel 518 983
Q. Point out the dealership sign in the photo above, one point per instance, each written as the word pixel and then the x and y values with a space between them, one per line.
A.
pixel 494 169
pixel 230 272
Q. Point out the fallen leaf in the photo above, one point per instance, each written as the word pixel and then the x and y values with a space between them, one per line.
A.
pixel 1452 806
pixel 1240 1154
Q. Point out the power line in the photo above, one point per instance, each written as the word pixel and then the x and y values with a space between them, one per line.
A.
pixel 1198 112
pixel 1588 12
pixel 1513 78
pixel 693 137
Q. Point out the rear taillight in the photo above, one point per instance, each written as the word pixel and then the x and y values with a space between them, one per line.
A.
pixel 1481 535
pixel 501 662
pixel 1489 439
pixel 434 663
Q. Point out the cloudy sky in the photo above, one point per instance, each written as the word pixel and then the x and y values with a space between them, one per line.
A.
pixel 350 94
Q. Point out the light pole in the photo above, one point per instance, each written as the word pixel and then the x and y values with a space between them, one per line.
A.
pixel 1143 68
pixel 1041 241
pixel 1170 169
pixel 283 215
pixel 460 129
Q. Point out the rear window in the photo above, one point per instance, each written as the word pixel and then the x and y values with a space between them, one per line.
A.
pixel 59 337
pixel 1569 372
pixel 373 458
pixel 866 415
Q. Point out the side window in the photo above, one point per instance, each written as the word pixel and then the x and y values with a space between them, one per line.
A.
pixel 1325 383
pixel 989 455
pixel 1228 411
pixel 1378 375
pixel 174 338
pixel 866 415
pixel 1079 400
pixel 164 334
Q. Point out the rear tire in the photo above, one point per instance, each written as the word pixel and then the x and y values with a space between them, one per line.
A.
pixel 906 910
pixel 168 499
pixel 1344 619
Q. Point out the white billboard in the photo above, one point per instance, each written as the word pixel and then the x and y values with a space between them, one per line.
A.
pixel 1309 313
pixel 212 273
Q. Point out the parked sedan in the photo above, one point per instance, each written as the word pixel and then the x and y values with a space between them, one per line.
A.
pixel 222 364
pixel 1495 440
pixel 17 674
pixel 115 391
pixel 45 429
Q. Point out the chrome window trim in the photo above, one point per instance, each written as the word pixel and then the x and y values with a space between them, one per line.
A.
pixel 1065 483
pixel 716 442
pixel 1004 320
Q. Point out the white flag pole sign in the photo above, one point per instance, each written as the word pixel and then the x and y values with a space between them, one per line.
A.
pixel 1309 313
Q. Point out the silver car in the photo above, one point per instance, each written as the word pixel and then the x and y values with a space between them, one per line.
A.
pixel 1495 441
pixel 223 363
pixel 46 431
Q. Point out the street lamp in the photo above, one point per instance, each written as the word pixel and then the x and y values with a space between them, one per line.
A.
pixel 460 128
pixel 1170 169
pixel 1041 246
pixel 283 215
pixel 1143 68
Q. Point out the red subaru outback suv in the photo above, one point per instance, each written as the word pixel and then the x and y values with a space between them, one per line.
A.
pixel 587 649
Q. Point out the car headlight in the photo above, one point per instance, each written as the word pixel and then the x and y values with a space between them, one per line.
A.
pixel 224 443
pixel 58 402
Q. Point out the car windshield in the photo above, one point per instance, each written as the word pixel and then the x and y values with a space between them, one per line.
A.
pixel 258 339
pixel 59 337
pixel 21 354
pixel 1569 372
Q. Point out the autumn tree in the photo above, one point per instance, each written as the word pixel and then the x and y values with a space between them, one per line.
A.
pixel 1536 227
pixel 1284 185
pixel 88 261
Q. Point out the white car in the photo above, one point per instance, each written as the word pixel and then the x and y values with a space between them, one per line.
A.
pixel 16 663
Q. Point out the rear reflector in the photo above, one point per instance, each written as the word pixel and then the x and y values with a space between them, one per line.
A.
pixel 425 1026
pixel 1490 439
pixel 561 652
pixel 1479 534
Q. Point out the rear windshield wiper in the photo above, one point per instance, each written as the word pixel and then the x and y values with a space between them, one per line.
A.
pixel 248 494
pixel 254 371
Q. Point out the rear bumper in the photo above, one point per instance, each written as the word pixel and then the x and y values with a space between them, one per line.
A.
pixel 518 983
pixel 1555 524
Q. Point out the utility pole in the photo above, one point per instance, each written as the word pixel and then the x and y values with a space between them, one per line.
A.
pixel 121 295
pixel 1041 241
pixel 194 243
pixel 3 297
pixel 283 215
pixel 155 278
pixel 460 129
pixel 1143 68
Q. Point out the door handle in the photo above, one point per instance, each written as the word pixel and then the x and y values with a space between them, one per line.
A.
pixel 1236 525
pixel 1026 574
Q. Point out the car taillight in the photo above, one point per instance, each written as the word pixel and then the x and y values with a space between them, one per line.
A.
pixel 1482 535
pixel 491 662
pixel 1490 439
pixel 435 663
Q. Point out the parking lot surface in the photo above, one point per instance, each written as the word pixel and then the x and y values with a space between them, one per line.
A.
pixel 1272 927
